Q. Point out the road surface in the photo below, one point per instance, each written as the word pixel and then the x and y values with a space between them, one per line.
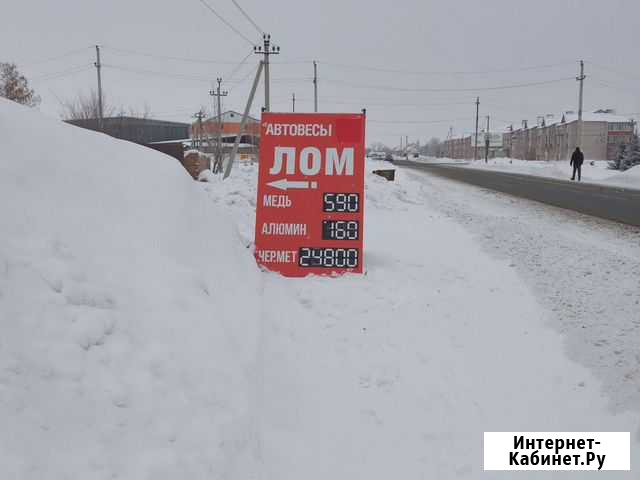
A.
pixel 611 203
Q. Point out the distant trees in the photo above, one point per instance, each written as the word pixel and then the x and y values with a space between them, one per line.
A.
pixel 631 155
pixel 86 107
pixel 379 147
pixel 15 86
pixel 433 148
pixel 617 162
pixel 627 156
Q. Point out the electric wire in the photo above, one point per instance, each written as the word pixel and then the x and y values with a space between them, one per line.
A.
pixel 61 74
pixel 613 70
pixel 123 51
pixel 223 20
pixel 58 57
pixel 417 122
pixel 246 15
pixel 471 72
pixel 599 82
pixel 238 67
pixel 475 89
pixel 156 73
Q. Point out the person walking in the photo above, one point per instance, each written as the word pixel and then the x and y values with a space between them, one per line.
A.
pixel 577 158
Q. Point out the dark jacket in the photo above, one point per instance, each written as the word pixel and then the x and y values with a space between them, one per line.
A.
pixel 576 158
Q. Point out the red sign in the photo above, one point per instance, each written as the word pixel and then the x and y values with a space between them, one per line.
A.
pixel 310 206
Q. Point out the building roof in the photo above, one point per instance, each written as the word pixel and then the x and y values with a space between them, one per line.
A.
pixel 126 119
pixel 231 116
pixel 572 116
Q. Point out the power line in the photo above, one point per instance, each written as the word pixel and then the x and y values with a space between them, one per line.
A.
pixel 156 73
pixel 418 122
pixel 471 72
pixel 378 104
pixel 238 67
pixel 619 72
pixel 161 74
pixel 123 51
pixel 221 18
pixel 614 87
pixel 61 74
pixel 246 15
pixel 58 57
pixel 476 89
pixel 243 79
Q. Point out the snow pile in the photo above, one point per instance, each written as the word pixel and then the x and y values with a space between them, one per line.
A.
pixel 554 168
pixel 128 310
pixel 593 171
pixel 629 178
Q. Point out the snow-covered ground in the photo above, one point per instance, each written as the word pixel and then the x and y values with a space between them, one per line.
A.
pixel 139 339
pixel 593 171
pixel 399 372
pixel 124 345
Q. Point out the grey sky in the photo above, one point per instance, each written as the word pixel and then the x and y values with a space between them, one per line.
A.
pixel 425 36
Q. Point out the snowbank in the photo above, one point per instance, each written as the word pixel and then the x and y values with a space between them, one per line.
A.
pixel 629 178
pixel 593 171
pixel 128 311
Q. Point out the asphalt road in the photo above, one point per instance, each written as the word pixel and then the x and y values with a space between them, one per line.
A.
pixel 611 203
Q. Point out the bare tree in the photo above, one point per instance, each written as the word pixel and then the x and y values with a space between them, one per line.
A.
pixel 15 86
pixel 433 148
pixel 379 147
pixel 85 107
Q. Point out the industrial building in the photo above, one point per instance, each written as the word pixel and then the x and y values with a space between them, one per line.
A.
pixel 137 130
pixel 462 148
pixel 230 128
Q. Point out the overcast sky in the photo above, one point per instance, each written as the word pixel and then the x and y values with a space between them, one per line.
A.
pixel 441 54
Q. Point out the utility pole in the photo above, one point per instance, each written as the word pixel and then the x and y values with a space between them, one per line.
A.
pixel 243 123
pixel 475 150
pixel 199 115
pixel 487 140
pixel 266 49
pixel 293 100
pixel 98 66
pixel 580 78
pixel 315 86
pixel 217 166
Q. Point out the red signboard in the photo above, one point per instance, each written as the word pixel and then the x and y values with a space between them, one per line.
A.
pixel 310 206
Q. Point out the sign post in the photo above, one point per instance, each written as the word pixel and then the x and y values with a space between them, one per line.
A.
pixel 310 205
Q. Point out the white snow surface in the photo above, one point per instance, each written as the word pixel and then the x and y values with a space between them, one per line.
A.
pixel 129 311
pixel 140 341
pixel 396 374
pixel 593 171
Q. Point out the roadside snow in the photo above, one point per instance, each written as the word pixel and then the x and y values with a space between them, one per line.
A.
pixel 593 173
pixel 398 373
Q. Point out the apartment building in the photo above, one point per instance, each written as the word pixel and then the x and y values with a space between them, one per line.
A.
pixel 555 138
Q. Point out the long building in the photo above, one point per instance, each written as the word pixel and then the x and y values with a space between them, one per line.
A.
pixel 555 138
pixel 138 130
pixel 462 148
